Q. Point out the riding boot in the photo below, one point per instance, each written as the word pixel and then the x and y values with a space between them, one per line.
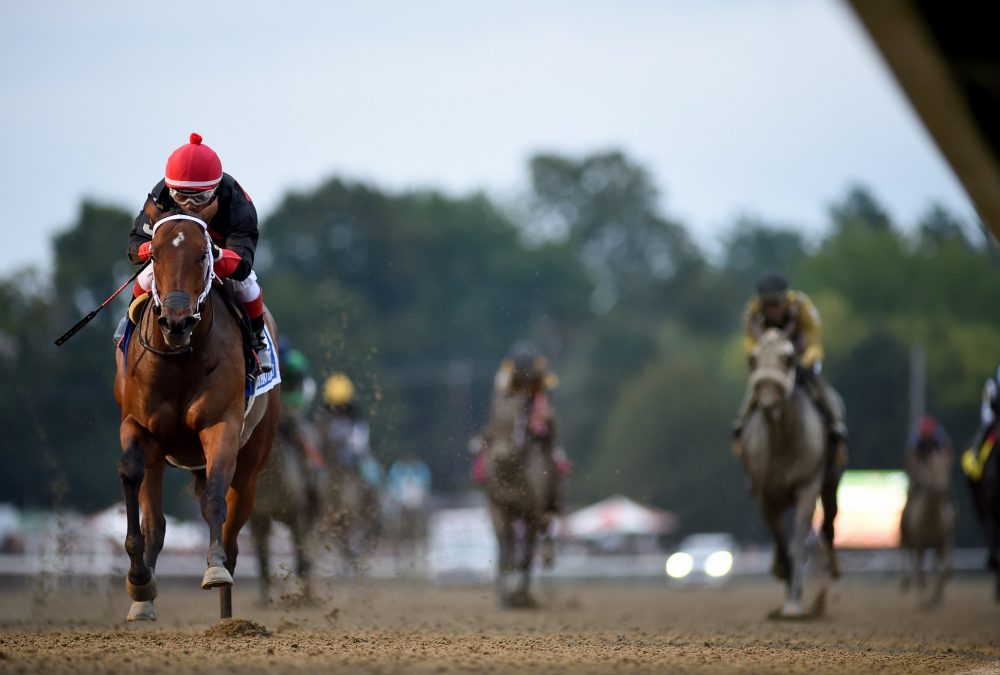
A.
pixel 836 429
pixel 260 344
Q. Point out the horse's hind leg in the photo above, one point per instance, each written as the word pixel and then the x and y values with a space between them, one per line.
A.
pixel 303 563
pixel 140 581
pixel 260 530
pixel 828 498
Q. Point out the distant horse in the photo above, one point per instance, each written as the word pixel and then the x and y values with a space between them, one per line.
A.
pixel 983 476
pixel 928 519
pixel 182 401
pixel 287 493
pixel 518 486
pixel 352 518
pixel 786 457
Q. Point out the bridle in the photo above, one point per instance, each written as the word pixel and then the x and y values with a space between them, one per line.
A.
pixel 169 297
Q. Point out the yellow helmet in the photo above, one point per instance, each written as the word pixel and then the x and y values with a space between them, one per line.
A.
pixel 338 389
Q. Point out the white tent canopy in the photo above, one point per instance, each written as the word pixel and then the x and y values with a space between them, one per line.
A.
pixel 617 515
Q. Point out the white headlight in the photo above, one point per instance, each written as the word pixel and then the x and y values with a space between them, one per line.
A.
pixel 679 565
pixel 719 564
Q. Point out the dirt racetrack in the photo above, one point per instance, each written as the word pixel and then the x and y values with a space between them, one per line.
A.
pixel 409 626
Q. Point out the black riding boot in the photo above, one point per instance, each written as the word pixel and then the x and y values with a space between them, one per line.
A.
pixel 260 345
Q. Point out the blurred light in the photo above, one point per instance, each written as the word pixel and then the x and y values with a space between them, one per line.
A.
pixel 719 564
pixel 679 565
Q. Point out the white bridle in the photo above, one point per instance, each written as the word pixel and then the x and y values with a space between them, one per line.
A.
pixel 210 267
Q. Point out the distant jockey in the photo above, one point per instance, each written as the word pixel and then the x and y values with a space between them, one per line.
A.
pixel 194 182
pixel 775 305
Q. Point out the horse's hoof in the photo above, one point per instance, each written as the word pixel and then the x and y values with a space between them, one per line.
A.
pixel 142 611
pixel 521 600
pixel 216 577
pixel 142 592
pixel 790 611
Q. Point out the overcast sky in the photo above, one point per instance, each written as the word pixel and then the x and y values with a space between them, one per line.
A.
pixel 764 107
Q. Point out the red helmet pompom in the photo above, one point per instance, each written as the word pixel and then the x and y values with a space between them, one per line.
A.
pixel 196 138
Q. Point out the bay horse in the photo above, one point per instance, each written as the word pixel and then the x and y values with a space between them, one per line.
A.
pixel 519 484
pixel 928 519
pixel 787 460
pixel 182 401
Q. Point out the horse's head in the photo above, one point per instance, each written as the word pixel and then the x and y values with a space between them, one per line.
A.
pixel 182 271
pixel 772 376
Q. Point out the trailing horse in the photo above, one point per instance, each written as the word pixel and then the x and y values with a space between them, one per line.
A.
pixel 981 466
pixel 287 492
pixel 928 520
pixel 789 465
pixel 181 384
pixel 519 470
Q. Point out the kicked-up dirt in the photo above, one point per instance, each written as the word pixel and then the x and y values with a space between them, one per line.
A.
pixel 367 626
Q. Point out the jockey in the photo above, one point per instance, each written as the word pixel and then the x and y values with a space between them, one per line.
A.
pixel 345 429
pixel 929 437
pixel 193 180
pixel 297 392
pixel 974 458
pixel 408 481
pixel 775 305
pixel 526 374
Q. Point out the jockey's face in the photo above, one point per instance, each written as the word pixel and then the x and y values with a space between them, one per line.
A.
pixel 774 310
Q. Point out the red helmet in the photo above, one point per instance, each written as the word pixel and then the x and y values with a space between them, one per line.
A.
pixel 193 167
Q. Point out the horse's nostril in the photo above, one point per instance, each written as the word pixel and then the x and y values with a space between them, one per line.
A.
pixel 164 323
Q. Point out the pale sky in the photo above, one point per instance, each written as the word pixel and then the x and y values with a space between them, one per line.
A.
pixel 763 107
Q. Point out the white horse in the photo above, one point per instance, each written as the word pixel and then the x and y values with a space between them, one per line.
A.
pixel 785 453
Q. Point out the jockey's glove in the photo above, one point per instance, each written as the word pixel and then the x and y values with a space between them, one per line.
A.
pixel 226 261
pixel 145 251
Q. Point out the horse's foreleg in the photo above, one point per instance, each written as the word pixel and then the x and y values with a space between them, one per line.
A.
pixel 805 507
pixel 219 442
pixel 504 529
pixel 139 582
pixel 154 524
pixel 780 564
pixel 527 556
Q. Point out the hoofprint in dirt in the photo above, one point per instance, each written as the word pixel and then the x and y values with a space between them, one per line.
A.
pixel 388 626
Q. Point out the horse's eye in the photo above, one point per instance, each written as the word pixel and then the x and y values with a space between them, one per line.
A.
pixel 789 360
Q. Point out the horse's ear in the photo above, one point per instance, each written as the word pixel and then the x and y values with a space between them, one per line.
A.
pixel 152 210
pixel 209 211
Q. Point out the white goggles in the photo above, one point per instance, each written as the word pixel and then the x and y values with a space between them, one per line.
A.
pixel 192 197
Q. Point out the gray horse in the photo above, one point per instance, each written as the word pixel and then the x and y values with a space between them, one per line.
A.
pixel 787 460
pixel 286 492
pixel 518 486
pixel 928 520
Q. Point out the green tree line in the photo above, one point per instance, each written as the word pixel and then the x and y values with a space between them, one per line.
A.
pixel 418 295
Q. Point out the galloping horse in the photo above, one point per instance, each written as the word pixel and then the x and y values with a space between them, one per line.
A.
pixel 928 519
pixel 785 453
pixel 286 493
pixel 518 486
pixel 983 475
pixel 182 401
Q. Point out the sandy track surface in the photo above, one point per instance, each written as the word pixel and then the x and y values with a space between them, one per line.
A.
pixel 400 626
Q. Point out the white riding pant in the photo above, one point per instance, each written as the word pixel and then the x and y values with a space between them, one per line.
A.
pixel 247 290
